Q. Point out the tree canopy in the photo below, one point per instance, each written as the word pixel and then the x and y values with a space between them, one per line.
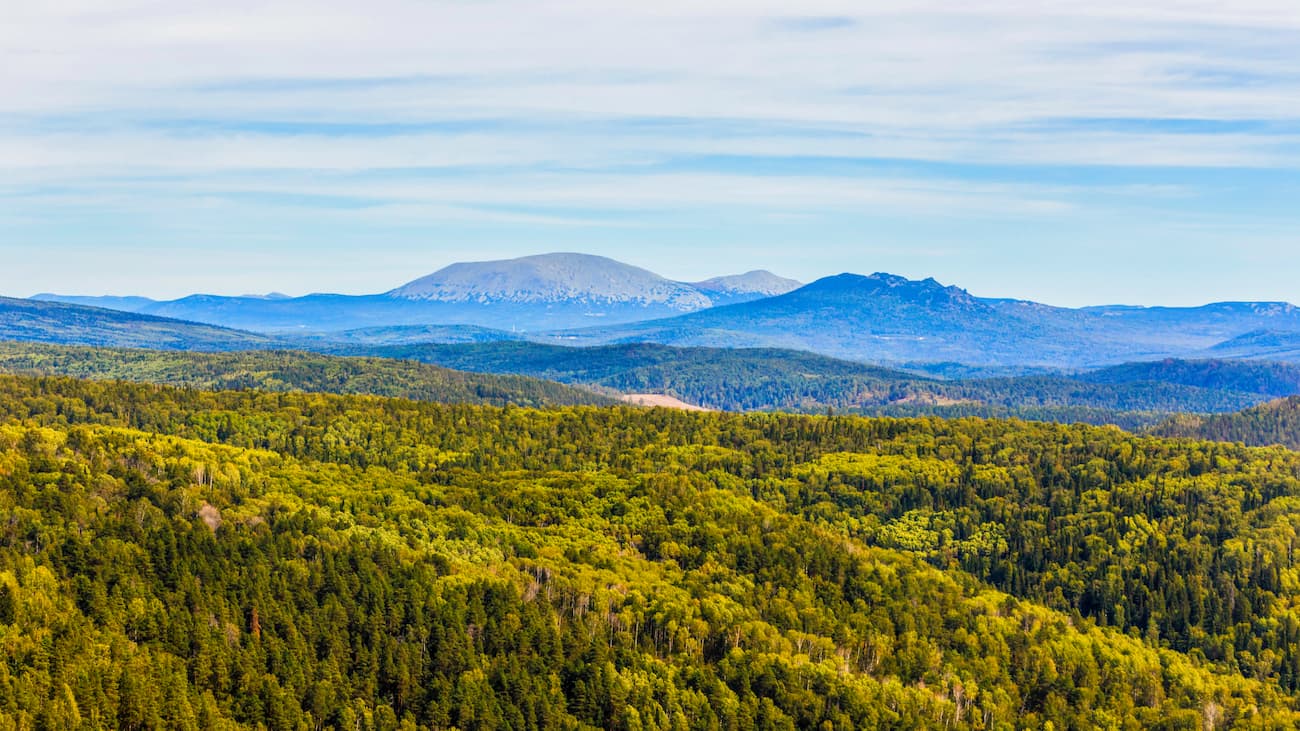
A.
pixel 176 558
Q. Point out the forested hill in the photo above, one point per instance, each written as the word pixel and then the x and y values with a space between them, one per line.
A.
pixel 1242 376
pixel 1277 422
pixel 717 378
pixel 185 559
pixel 739 380
pixel 58 322
pixel 291 371
pixel 1134 396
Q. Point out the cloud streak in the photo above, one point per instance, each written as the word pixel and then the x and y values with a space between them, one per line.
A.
pixel 578 113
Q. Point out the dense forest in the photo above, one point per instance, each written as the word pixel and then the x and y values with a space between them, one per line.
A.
pixel 1276 422
pixel 176 558
pixel 1243 376
pixel 1134 421
pixel 1134 396
pixel 270 370
pixel 768 379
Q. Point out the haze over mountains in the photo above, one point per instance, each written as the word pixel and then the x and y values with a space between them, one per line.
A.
pixel 59 322
pixel 887 318
pixel 543 292
pixel 551 279
pixel 578 299
pixel 1270 344
pixel 748 342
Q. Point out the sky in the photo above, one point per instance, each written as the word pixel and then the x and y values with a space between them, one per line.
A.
pixel 1115 151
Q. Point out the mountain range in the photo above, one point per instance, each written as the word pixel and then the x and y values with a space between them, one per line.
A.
pixel 531 293
pixel 578 299
pixel 1133 396
pixel 885 318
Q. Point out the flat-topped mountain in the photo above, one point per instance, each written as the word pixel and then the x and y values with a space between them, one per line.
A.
pixel 551 279
pixel 123 304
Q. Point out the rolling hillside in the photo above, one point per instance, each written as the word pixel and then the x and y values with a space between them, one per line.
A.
pixel 1276 422
pixel 1256 377
pixel 178 559
pixel 1134 395
pixel 290 371
pixel 57 322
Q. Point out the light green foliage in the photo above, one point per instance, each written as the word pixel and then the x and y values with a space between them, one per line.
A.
pixel 183 559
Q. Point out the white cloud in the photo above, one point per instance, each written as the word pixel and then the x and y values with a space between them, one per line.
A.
pixel 968 81
pixel 594 106
pixel 927 66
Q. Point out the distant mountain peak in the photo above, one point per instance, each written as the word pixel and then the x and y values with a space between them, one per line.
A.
pixel 553 278
pixel 894 280
pixel 927 291
pixel 758 281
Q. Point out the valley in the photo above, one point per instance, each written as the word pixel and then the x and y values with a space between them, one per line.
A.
pixel 1135 396
pixel 404 518
pixel 677 366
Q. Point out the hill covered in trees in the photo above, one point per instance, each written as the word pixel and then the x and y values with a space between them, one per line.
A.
pixel 175 558
pixel 59 322
pixel 1133 396
pixel 1265 378
pixel 291 371
pixel 1276 422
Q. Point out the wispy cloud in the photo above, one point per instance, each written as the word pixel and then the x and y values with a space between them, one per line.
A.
pixel 811 23
pixel 582 113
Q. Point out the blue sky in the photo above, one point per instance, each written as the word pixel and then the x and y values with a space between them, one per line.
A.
pixel 1138 152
